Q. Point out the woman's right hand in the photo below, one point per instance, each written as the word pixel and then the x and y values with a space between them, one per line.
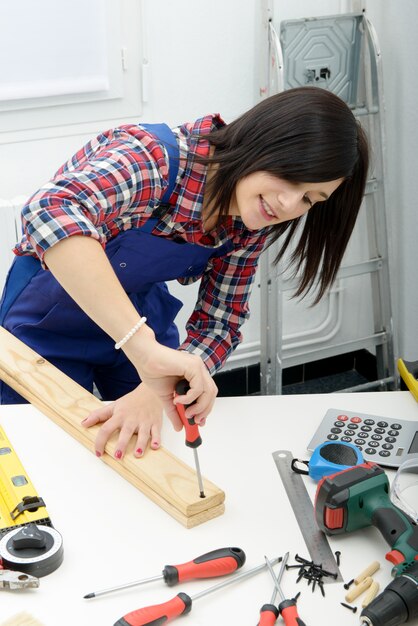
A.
pixel 161 368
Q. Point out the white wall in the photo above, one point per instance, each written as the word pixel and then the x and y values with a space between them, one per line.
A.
pixel 203 57
pixel 395 22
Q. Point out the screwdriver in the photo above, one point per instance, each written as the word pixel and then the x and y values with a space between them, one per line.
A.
pixel 180 604
pixel 193 438
pixel 287 608
pixel 269 612
pixel 210 565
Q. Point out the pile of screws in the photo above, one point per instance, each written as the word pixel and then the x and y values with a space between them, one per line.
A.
pixel 312 572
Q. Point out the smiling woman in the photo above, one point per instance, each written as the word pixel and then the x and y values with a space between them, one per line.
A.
pixel 142 204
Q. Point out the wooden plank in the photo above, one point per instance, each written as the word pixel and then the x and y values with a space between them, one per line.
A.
pixel 160 475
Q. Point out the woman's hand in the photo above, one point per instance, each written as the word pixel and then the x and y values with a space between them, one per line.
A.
pixel 161 368
pixel 139 411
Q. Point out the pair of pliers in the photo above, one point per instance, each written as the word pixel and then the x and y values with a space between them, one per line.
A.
pixel 9 579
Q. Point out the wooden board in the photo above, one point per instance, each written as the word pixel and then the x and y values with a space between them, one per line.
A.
pixel 22 619
pixel 160 475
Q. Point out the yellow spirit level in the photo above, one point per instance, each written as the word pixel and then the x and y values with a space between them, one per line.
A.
pixel 28 541
pixel 19 502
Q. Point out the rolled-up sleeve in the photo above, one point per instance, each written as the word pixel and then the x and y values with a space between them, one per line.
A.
pixel 118 174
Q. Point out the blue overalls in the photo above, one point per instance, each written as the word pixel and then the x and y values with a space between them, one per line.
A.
pixel 37 310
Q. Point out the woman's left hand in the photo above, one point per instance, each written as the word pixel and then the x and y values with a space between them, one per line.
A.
pixel 139 411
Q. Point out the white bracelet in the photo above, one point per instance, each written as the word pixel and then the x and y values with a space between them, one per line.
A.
pixel 131 333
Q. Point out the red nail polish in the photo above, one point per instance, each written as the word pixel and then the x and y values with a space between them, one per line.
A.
pixel 118 454
pixel 155 444
pixel 98 453
pixel 139 451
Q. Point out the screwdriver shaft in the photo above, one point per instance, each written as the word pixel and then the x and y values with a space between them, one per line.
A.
pixel 199 473
pixel 134 583
pixel 279 577
pixel 235 579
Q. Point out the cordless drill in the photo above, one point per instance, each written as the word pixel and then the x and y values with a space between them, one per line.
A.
pixel 359 497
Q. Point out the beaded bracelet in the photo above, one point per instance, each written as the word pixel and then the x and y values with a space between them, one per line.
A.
pixel 131 333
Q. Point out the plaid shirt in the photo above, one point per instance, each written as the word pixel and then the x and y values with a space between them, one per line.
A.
pixel 114 183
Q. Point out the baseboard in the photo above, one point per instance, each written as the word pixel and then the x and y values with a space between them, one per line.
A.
pixel 323 376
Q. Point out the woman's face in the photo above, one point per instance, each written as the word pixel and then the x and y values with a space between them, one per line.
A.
pixel 262 199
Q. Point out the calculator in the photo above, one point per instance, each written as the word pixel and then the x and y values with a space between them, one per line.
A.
pixel 384 440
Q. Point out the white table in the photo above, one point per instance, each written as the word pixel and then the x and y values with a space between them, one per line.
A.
pixel 113 534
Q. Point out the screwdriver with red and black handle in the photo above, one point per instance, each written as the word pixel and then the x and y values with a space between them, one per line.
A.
pixel 210 565
pixel 287 607
pixel 193 438
pixel 179 605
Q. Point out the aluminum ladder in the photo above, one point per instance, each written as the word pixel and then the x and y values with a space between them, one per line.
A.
pixel 339 53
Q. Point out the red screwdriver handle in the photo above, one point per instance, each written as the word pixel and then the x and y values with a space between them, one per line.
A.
pixel 159 613
pixel 268 615
pixel 210 565
pixel 193 438
pixel 289 612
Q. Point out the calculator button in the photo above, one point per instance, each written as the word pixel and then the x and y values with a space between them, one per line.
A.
pixel 356 420
pixel 359 442
pixel 365 429
pixel 338 423
pixel 363 434
pixel 369 422
pixel 384 453
pixel 346 439
pixel 387 446
pixel 393 433
pixel 379 431
pixel 343 418
pixel 350 433
pixel 376 437
pixel 383 424
pixel 335 430
pixel 373 444
pixel 332 437
pixel 370 451
pixel 396 426
pixel 390 439
pixel 352 426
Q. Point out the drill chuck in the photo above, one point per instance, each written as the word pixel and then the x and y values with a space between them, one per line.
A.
pixel 397 604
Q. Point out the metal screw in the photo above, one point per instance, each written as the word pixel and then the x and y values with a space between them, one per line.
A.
pixel 347 585
pixel 347 606
pixel 337 556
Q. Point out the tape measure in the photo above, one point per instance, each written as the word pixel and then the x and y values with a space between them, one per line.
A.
pixel 315 540
pixel 28 541
pixel 329 458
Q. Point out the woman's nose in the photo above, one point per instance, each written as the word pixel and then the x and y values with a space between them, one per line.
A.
pixel 291 201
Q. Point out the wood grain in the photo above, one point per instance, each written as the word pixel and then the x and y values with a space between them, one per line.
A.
pixel 160 475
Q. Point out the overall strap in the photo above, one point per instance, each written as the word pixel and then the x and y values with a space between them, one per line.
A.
pixel 167 137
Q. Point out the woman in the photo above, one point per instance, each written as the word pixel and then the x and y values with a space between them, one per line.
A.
pixel 140 205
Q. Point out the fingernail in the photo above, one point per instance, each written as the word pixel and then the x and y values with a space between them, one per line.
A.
pixel 118 454
pixel 84 420
pixel 139 451
pixel 98 453
pixel 155 444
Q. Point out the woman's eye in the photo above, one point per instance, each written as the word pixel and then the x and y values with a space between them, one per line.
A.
pixel 308 201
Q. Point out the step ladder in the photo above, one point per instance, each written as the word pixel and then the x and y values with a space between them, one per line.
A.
pixel 339 53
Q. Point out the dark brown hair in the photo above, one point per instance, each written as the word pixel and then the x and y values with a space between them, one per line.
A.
pixel 308 135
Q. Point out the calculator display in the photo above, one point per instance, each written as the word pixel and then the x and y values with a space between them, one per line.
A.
pixel 414 445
